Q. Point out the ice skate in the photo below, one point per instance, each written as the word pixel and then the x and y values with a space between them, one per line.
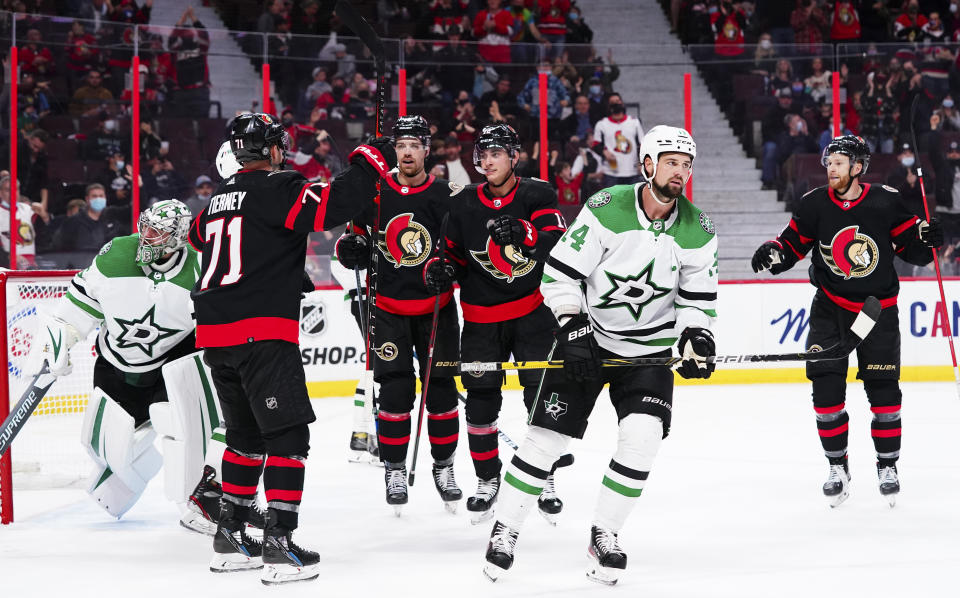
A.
pixel 889 482
pixel 203 505
pixel 447 486
pixel 837 486
pixel 284 561
pixel 503 541
pixel 607 559
pixel 359 452
pixel 481 504
pixel 396 479
pixel 549 504
pixel 233 549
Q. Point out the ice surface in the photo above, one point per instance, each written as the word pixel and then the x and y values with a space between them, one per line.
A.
pixel 733 508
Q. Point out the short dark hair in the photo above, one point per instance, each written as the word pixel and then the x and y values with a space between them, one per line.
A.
pixel 93 187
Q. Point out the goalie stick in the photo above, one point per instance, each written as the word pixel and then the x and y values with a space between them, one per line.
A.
pixel 859 330
pixel 31 397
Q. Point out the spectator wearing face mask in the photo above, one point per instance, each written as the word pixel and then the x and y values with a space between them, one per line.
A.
pixel 105 141
pixel 878 124
pixel 764 56
pixel 909 25
pixel 202 190
pixel 116 168
pixel 617 138
pixel 904 179
pixel 844 22
pixel 818 83
pixel 949 114
pixel 90 228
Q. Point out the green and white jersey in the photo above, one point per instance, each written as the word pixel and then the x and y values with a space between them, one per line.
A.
pixel 641 281
pixel 143 312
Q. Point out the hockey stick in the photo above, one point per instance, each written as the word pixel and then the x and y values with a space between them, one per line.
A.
pixel 24 408
pixel 434 324
pixel 860 328
pixel 936 260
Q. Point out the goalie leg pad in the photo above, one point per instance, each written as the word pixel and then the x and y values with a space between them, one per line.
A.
pixel 111 439
pixel 109 491
pixel 637 446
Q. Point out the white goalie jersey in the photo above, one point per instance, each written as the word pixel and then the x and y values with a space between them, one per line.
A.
pixel 143 311
pixel 641 281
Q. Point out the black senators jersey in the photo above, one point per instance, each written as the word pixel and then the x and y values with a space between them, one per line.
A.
pixel 853 243
pixel 253 241
pixel 503 282
pixel 407 237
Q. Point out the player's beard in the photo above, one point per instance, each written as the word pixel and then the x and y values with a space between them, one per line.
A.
pixel 410 171
pixel 841 184
pixel 664 192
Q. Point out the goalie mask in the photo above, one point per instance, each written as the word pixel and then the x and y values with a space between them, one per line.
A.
pixel 163 229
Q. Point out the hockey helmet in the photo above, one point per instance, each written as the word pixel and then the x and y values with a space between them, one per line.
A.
pixel 852 146
pixel 253 134
pixel 414 126
pixel 227 164
pixel 501 136
pixel 163 229
pixel 664 139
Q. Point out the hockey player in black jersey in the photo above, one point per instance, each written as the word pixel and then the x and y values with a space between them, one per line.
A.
pixel 253 240
pixel 854 230
pixel 412 206
pixel 497 243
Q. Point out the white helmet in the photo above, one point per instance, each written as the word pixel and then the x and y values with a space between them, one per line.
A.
pixel 664 139
pixel 227 164
pixel 170 219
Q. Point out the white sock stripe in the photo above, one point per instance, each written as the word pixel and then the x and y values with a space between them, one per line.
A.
pixel 525 477
pixel 624 480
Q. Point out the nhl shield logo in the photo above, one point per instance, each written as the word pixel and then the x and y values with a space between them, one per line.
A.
pixel 313 320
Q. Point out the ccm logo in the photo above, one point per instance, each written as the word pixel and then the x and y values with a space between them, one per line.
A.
pixel 588 329
pixel 372 156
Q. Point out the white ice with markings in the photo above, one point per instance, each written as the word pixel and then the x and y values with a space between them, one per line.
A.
pixel 733 508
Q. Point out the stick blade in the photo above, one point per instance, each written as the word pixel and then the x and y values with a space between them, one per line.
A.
pixel 867 317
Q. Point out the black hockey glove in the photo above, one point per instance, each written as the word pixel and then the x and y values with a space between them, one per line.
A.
pixel 307 285
pixel 352 251
pixel 438 276
pixel 767 257
pixel 695 346
pixel 376 156
pixel 931 233
pixel 578 348
pixel 507 230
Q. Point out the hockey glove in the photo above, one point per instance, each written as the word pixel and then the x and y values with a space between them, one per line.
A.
pixel 353 251
pixel 507 230
pixel 376 156
pixel 57 337
pixel 695 346
pixel 581 355
pixel 931 233
pixel 439 276
pixel 769 254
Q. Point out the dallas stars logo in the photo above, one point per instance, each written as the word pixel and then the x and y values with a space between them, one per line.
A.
pixel 632 292
pixel 554 407
pixel 143 333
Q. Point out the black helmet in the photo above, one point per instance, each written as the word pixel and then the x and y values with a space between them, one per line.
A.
pixel 412 126
pixel 253 134
pixel 852 146
pixel 499 135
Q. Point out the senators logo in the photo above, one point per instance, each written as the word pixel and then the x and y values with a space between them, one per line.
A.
pixel 623 144
pixel 851 254
pixel 404 242
pixel 503 262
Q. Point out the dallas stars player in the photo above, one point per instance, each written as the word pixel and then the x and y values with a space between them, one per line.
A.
pixel 643 260
pixel 412 206
pixel 856 229
pixel 498 240
pixel 147 377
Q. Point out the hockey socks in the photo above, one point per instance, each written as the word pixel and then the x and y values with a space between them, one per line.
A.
pixel 394 436
pixel 527 474
pixel 625 477
pixel 484 449
pixel 885 430
pixel 241 475
pixel 833 425
pixel 443 429
pixel 283 485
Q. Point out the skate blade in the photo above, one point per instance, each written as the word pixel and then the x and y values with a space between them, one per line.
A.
pixel 891 499
pixel 229 563
pixel 451 506
pixel 836 501
pixel 195 522
pixel 398 510
pixel 493 572
pixel 552 518
pixel 607 576
pixel 478 517
pixel 274 575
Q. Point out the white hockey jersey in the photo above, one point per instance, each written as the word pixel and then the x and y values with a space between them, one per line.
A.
pixel 641 281
pixel 622 138
pixel 143 312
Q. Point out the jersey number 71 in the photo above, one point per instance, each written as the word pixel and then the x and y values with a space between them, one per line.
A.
pixel 214 233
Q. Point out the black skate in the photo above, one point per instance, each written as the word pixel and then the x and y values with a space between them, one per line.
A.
pixel 396 479
pixel 203 505
pixel 446 485
pixel 364 449
pixel 233 549
pixel 889 482
pixel 503 541
pixel 283 560
pixel 549 503
pixel 481 504
pixel 607 559
pixel 837 486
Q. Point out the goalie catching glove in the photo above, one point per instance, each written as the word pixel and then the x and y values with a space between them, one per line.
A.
pixel 578 349
pixel 56 337
pixel 695 346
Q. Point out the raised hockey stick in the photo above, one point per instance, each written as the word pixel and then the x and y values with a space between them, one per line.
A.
pixel 22 411
pixel 936 260
pixel 434 324
pixel 859 330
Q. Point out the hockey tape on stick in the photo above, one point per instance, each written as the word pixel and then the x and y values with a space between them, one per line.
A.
pixel 24 408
